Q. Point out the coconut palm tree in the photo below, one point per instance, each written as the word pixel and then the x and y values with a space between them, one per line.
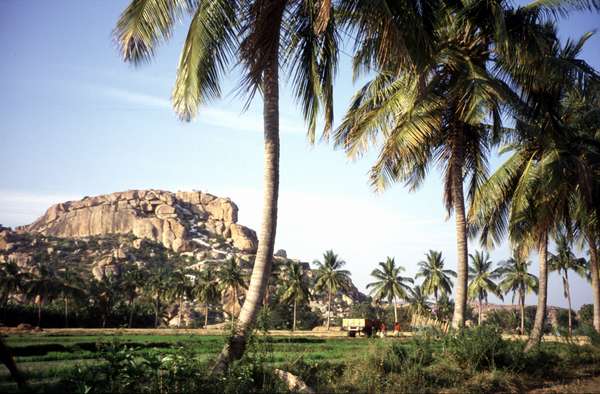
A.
pixel 44 284
pixel 533 192
pixel 207 290
pixel 589 235
pixel 180 288
pixel 517 279
pixel 259 36
pixel 564 261
pixel 104 293
pixel 276 270
pixel 157 286
pixel 481 279
pixel 72 287
pixel 390 284
pixel 12 281
pixel 585 116
pixel 294 287
pixel 431 107
pixel 131 281
pixel 231 278
pixel 331 277
pixel 417 301
pixel 436 279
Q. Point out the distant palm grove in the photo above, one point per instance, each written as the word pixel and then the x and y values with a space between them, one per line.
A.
pixel 54 293
pixel 450 84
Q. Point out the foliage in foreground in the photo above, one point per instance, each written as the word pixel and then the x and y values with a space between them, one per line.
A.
pixel 476 360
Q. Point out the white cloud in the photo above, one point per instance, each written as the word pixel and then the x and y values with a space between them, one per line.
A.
pixel 130 97
pixel 19 208
pixel 250 120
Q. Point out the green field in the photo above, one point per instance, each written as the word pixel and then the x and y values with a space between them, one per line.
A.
pixel 45 358
pixel 477 360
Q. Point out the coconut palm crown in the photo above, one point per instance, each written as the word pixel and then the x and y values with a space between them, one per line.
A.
pixel 390 284
pixel 206 290
pixel 481 279
pixel 331 277
pixel 517 280
pixel 295 287
pixel 436 279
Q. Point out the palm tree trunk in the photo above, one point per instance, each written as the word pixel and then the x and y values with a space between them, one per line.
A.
pixel 328 309
pixel 66 312
pixel 261 271
pixel 568 293
pixel 156 307
pixel 522 307
pixel 480 308
pixel 595 280
pixel 395 312
pixel 179 312
pixel 130 313
pixel 206 315
pixel 235 301
pixel 294 324
pixel 460 306
pixel 540 314
pixel 39 323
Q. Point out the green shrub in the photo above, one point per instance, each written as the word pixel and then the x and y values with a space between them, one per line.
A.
pixel 477 348
pixel 586 314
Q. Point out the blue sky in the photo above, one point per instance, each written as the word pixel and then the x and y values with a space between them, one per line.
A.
pixel 77 121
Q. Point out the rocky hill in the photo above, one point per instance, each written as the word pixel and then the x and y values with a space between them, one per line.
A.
pixel 195 223
pixel 100 234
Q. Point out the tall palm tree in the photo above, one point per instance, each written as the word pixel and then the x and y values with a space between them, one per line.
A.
pixel 256 35
pixel 585 117
pixel 44 285
pixel 156 287
pixel 390 284
pixel 417 301
pixel 534 190
pixel 231 278
pixel 481 279
pixel 206 290
pixel 72 287
pixel 105 294
pixel 294 287
pixel 436 279
pixel 517 279
pixel 132 279
pixel 564 261
pixel 180 288
pixel 430 105
pixel 589 235
pixel 331 277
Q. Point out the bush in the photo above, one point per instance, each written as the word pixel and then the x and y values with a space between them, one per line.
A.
pixel 476 349
pixel 589 331
pixel 508 320
pixel 586 314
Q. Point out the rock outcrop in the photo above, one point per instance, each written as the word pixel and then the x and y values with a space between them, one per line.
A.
pixel 182 221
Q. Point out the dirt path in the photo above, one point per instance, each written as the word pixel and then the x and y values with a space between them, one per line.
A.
pixel 587 385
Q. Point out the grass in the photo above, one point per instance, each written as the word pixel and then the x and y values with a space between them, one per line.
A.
pixel 476 360
pixel 44 358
